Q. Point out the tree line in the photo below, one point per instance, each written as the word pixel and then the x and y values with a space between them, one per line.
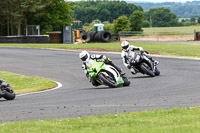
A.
pixel 52 15
pixel 87 11
pixel 49 14
pixel 183 10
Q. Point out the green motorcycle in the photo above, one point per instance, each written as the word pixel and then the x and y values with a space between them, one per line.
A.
pixel 107 75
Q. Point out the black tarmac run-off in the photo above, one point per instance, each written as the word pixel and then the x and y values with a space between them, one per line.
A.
pixel 177 86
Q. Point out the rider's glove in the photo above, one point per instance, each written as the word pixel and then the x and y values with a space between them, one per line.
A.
pixel 129 66
pixel 104 57
pixel 103 60
pixel 83 67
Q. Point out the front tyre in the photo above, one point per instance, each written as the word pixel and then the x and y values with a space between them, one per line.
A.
pixel 147 70
pixel 126 81
pixel 9 94
pixel 157 72
pixel 108 81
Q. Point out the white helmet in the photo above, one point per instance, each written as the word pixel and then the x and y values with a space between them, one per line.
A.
pixel 125 45
pixel 84 56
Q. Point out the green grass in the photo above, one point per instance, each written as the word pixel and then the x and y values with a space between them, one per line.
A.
pixel 189 29
pixel 159 121
pixel 184 50
pixel 23 84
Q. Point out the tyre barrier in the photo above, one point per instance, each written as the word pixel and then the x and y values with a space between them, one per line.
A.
pixel 85 36
pixel 101 36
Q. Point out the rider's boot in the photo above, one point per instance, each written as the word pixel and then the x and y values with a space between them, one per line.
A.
pixel 133 71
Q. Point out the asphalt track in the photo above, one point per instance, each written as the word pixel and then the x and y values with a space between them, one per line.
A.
pixel 177 86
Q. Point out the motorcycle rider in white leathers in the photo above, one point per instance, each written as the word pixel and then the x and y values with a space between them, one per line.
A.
pixel 127 49
pixel 88 61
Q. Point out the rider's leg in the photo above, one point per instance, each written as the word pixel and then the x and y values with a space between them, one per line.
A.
pixel 150 57
pixel 108 61
pixel 149 62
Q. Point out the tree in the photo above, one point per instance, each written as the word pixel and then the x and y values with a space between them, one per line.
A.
pixel 16 14
pixel 198 20
pixel 13 13
pixel 183 20
pixel 193 19
pixel 96 21
pixel 121 24
pixel 136 19
pixel 54 16
pixel 5 15
pixel 146 23
pixel 24 8
pixel 161 17
pixel 106 10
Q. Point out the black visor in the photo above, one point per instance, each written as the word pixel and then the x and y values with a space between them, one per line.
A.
pixel 84 58
pixel 125 47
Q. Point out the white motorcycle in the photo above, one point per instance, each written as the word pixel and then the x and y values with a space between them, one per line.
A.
pixel 139 64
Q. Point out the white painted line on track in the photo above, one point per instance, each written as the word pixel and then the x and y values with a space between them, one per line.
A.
pixel 59 85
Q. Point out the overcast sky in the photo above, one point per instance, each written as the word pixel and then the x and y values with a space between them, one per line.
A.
pixel 151 0
pixel 160 0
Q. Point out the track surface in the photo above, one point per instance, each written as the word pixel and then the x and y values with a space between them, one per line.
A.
pixel 177 86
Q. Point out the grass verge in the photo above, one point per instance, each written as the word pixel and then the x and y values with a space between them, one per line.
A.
pixel 185 50
pixel 24 84
pixel 188 29
pixel 174 120
pixel 158 121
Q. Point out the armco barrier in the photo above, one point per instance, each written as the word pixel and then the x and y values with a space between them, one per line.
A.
pixel 24 39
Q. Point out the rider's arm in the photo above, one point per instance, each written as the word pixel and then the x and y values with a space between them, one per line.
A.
pixel 132 48
pixel 84 67
pixel 98 57
pixel 124 59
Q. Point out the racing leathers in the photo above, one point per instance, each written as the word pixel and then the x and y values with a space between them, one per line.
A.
pixel 98 58
pixel 126 57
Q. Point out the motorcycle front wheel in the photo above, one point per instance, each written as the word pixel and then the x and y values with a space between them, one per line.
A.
pixel 9 94
pixel 126 81
pixel 108 81
pixel 146 69
pixel 157 72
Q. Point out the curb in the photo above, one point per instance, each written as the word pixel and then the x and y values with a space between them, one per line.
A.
pixel 59 85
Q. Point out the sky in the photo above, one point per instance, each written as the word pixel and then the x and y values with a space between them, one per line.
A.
pixel 152 0
pixel 160 0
